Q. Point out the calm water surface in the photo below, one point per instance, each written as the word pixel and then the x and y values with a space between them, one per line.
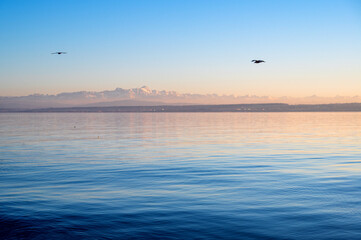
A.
pixel 180 176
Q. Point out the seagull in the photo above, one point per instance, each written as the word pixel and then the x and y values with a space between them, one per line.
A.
pixel 58 53
pixel 257 61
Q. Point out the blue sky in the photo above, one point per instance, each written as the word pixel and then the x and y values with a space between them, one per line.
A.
pixel 311 47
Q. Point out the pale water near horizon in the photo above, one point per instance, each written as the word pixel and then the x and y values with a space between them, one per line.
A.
pixel 180 176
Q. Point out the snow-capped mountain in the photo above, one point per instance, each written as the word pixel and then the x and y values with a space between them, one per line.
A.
pixel 140 96
pixel 145 96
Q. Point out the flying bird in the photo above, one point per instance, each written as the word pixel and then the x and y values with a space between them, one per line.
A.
pixel 58 53
pixel 257 61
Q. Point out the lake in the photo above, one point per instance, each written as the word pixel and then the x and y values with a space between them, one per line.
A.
pixel 180 175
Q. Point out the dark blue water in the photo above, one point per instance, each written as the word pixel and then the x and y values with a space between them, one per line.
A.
pixel 180 176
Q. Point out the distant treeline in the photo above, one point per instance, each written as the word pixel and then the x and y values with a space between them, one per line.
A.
pixel 270 107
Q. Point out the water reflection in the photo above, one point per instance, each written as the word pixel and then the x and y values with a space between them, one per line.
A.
pixel 180 175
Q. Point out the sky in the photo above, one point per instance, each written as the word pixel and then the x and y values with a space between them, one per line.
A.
pixel 310 47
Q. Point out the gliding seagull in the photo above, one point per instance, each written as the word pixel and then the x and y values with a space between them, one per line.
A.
pixel 257 61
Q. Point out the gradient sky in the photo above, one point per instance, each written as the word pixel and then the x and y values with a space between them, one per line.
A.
pixel 311 47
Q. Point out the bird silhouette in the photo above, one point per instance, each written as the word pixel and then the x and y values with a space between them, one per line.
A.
pixel 58 53
pixel 258 61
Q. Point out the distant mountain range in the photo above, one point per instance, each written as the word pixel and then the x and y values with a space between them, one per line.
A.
pixel 144 96
pixel 118 97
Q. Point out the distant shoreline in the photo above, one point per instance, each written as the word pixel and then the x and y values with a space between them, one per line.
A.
pixel 267 107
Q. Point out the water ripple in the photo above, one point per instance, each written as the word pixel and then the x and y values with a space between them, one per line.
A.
pixel 180 176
